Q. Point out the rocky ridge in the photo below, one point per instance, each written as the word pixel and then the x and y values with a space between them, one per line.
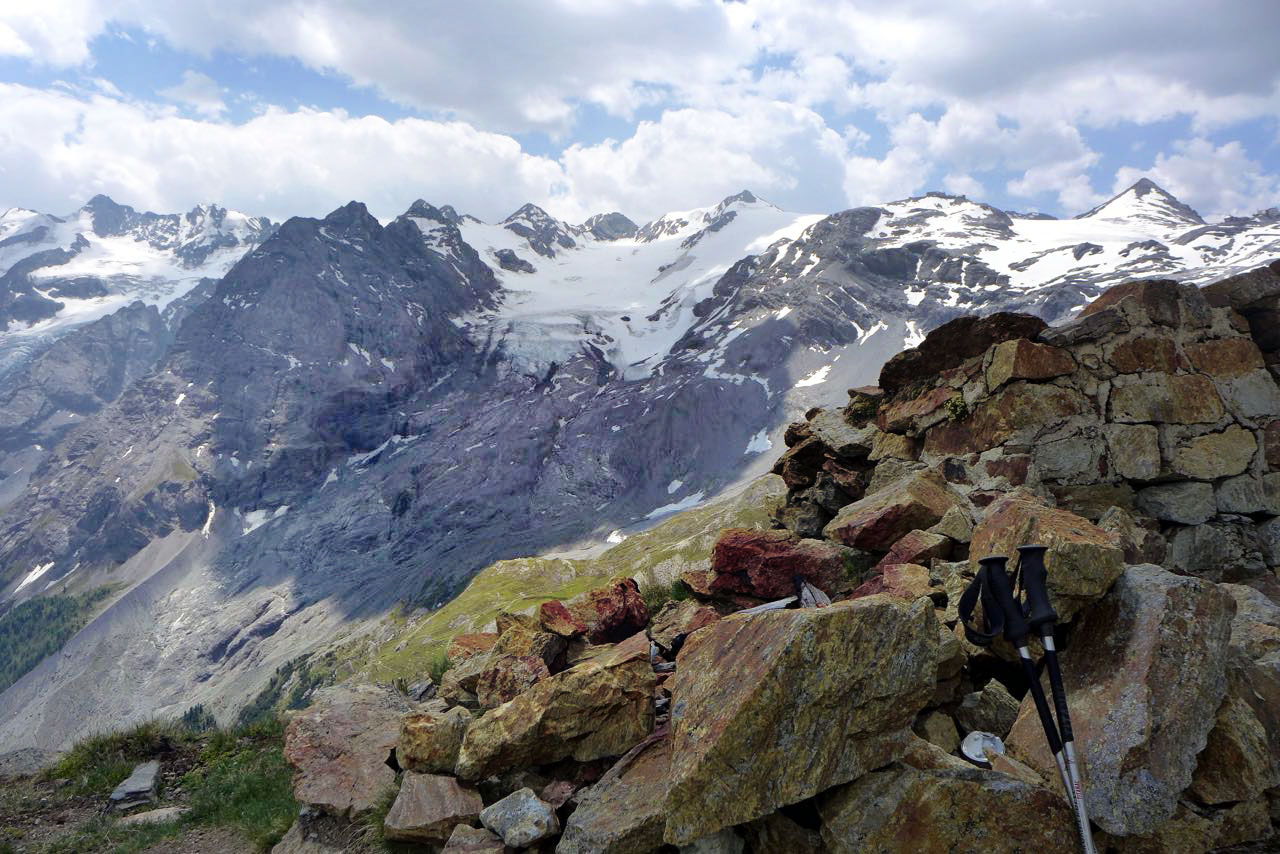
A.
pixel 728 719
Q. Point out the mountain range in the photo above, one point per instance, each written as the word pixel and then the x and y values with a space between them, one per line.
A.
pixel 264 437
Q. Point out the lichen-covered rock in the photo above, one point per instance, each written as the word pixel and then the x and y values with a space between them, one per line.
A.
pixel 953 343
pixel 465 646
pixel 993 710
pixel 612 613
pixel 623 813
pixel 1135 450
pixel 508 676
pixel 1020 411
pixel 956 525
pixel 1139 539
pixel 458 685
pixel 428 808
pixel 879 520
pixel 1082 560
pixel 556 618
pixel 918 547
pixel 1225 357
pixel 429 741
pixel 1145 674
pixel 941 811
pixel 777 832
pixel 523 641
pixel 1021 359
pixel 768 564
pixel 677 620
pixel 1226 548
pixel 595 709
pixel 339 746
pixel 838 436
pixel 1165 399
pixel 1216 455
pixel 758 725
pixel 937 728
pixel 902 580
pixel 521 819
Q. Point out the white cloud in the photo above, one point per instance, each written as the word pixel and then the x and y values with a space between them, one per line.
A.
pixel 1216 180
pixel 198 91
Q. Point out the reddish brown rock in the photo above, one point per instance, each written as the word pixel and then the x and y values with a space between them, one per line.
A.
pixel 766 564
pixel 1148 353
pixel 954 343
pixel 339 746
pixel 917 412
pixel 474 840
pixel 1226 357
pixel 612 613
pixel 1165 398
pixel 1021 359
pixel 429 807
pixel 463 647
pixel 1083 560
pixel 554 617
pixel 917 547
pixel 1020 410
pixel 1159 299
pixel 508 676
pixel 879 520
pixel 800 463
pixel 1013 468
pixel 623 813
pixel 796 432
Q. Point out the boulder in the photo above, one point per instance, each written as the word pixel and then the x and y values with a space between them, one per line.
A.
pixel 1082 560
pixel 508 676
pixel 677 620
pixel 521 819
pixel 1140 540
pixel 724 841
pixel 138 788
pixel 768 564
pixel 1216 455
pixel 458 685
pixel 1254 395
pixel 623 812
pixel 613 612
pixel 1021 359
pixel 1226 548
pixel 1245 290
pixel 955 525
pixel 777 832
pixel 993 710
pixel 1186 503
pixel 1145 674
pixel 429 741
pixel 1145 353
pixel 463 647
pixel 918 547
pixel 757 724
pixel 911 415
pixel 1165 399
pixel 339 747
pixel 1247 494
pixel 944 810
pixel 879 520
pixel 894 446
pixel 598 708
pixel 473 840
pixel 522 641
pixel 1158 301
pixel 1135 450
pixel 953 343
pixel 428 808
pixel 841 438
pixel 1193 831
pixel 554 617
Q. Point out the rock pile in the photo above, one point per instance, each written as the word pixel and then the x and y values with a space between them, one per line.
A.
pixel 811 694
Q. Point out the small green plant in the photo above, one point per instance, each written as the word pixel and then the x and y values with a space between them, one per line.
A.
pixel 438 665
pixel 98 763
pixel 957 410
pixel 863 408
pixel 657 595
pixel 372 821
pixel 249 787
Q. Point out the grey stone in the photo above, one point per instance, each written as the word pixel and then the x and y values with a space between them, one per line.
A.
pixel 1269 541
pixel 138 788
pixel 845 440
pixel 156 816
pixel 1135 450
pixel 521 819
pixel 956 525
pixel 721 842
pixel 1070 460
pixel 1145 675
pixel 474 840
pixel 1187 503
pixel 428 808
pixel 1241 494
pixel 1254 395
pixel 1224 549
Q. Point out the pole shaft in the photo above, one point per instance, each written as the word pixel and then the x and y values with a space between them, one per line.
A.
pixel 1068 739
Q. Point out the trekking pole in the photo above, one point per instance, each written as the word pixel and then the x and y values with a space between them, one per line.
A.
pixel 1042 618
pixel 996 580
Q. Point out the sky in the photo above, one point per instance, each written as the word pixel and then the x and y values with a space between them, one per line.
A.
pixel 641 106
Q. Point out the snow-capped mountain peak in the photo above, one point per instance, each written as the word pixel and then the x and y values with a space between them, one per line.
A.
pixel 1146 201
pixel 541 230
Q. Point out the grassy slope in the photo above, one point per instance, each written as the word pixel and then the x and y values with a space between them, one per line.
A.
pixel 653 557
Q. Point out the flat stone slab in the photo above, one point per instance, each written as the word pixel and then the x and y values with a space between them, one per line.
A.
pixel 139 787
pixel 157 816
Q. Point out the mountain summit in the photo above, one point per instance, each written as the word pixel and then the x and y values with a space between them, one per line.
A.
pixel 1146 201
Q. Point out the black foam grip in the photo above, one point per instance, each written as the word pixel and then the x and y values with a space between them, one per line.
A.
pixel 1042 707
pixel 1015 626
pixel 1035 580
pixel 1059 695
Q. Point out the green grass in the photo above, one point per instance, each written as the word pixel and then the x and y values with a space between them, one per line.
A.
pixel 438 665
pixel 39 627
pixel 657 595
pixel 240 780
pixel 97 764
